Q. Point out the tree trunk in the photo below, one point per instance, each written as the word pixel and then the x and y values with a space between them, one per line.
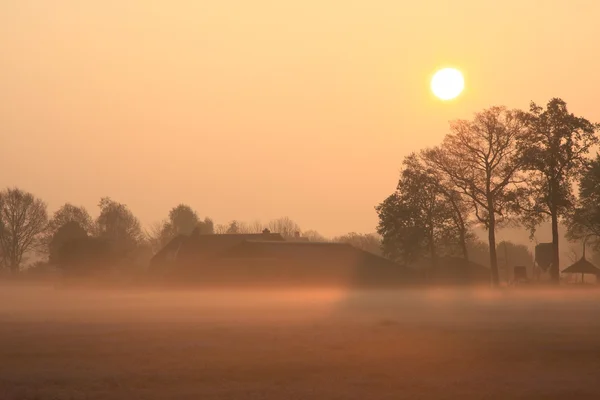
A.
pixel 14 268
pixel 554 268
pixel 463 244
pixel 492 244
pixel 432 252
pixel 462 229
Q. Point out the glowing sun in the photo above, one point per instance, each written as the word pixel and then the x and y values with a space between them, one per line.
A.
pixel 447 83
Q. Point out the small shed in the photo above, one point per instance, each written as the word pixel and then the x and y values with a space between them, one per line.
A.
pixel 582 266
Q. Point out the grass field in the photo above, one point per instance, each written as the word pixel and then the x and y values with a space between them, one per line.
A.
pixel 329 344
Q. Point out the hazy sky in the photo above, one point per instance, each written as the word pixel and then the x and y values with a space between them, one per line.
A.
pixel 255 109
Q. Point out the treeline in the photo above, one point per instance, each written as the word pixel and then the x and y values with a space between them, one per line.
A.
pixel 501 167
pixel 71 239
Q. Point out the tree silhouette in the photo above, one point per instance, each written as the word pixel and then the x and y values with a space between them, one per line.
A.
pixel 86 254
pixel 461 234
pixel 65 214
pixel 183 220
pixel 23 220
pixel 482 159
pixel 117 225
pixel 154 236
pixel 68 232
pixel 70 213
pixel 364 241
pixel 556 151
pixel 314 236
pixel 417 217
pixel 285 227
pixel 584 221
pixel 206 227
pixel 233 227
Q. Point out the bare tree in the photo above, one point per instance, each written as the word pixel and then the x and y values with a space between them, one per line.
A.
pixel 482 160
pixel 370 242
pixel 23 220
pixel 284 226
pixel 233 228
pixel 243 227
pixel 255 227
pixel 156 236
pixel 314 236
pixel 221 229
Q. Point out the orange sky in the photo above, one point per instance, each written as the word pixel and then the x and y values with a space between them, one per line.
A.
pixel 259 109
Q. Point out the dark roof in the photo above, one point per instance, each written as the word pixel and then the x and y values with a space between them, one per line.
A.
pixel 317 261
pixel 209 245
pixel 305 251
pixel 269 259
pixel 172 246
pixel 582 266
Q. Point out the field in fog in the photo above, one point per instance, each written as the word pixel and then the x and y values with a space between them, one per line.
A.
pixel 328 344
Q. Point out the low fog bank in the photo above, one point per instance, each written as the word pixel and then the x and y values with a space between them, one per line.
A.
pixel 407 306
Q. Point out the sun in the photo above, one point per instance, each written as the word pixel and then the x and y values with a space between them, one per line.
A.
pixel 447 83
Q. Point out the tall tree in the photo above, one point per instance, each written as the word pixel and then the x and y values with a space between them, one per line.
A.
pixel 461 233
pixel 118 226
pixel 557 148
pixel 233 227
pixel 584 220
pixel 417 218
pixel 482 159
pixel 70 213
pixel 183 219
pixel 65 214
pixel 206 227
pixel 68 232
pixel 23 220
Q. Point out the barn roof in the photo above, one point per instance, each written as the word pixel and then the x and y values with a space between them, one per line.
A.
pixel 303 251
pixel 268 258
pixel 208 245
pixel 170 247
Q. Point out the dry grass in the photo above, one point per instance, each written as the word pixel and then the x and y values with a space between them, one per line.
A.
pixel 68 344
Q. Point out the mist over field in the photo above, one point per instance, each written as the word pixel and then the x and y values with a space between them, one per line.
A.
pixel 75 343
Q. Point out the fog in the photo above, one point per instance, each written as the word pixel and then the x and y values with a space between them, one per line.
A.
pixel 78 343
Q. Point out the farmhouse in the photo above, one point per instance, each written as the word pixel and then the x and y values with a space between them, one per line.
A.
pixel 268 259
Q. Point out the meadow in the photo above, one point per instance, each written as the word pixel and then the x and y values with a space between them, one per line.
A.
pixel 68 343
